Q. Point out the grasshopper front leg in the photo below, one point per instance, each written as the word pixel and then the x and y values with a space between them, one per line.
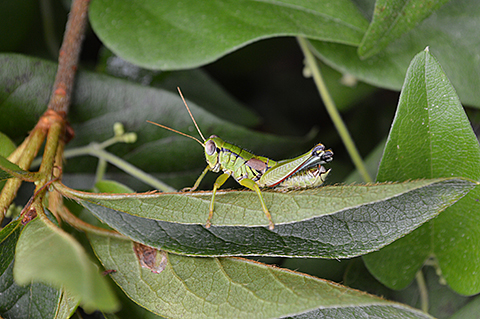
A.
pixel 197 183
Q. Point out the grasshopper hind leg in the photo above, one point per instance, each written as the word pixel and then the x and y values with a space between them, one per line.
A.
pixel 254 187
pixel 244 182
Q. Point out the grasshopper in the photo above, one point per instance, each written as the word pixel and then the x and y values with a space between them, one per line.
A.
pixel 255 172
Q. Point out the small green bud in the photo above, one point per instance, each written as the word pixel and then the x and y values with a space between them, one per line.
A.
pixel 306 72
pixel 118 129
pixel 130 137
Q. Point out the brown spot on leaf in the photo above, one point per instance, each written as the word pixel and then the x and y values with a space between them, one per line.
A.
pixel 151 258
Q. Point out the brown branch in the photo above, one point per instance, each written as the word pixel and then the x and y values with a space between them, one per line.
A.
pixel 55 116
pixel 68 57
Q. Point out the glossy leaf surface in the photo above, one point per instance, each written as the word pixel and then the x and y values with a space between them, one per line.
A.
pixel 391 19
pixel 431 137
pixel 180 35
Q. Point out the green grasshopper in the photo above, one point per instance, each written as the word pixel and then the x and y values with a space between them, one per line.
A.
pixel 255 172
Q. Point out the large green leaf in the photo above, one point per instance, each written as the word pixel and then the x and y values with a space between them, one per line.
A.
pixel 101 100
pixel 391 19
pixel 452 34
pixel 180 35
pixel 47 254
pixel 33 300
pixel 191 287
pixel 330 222
pixel 431 137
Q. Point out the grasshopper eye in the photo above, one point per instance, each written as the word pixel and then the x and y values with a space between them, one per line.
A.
pixel 210 147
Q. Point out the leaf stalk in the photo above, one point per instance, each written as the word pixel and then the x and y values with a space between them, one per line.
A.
pixel 422 288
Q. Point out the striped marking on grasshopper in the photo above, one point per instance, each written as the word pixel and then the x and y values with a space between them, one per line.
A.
pixel 255 172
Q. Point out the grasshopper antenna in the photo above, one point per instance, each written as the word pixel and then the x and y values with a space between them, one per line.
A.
pixel 181 133
pixel 178 132
pixel 188 109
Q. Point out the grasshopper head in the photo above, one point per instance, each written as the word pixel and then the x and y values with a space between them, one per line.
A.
pixel 213 147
